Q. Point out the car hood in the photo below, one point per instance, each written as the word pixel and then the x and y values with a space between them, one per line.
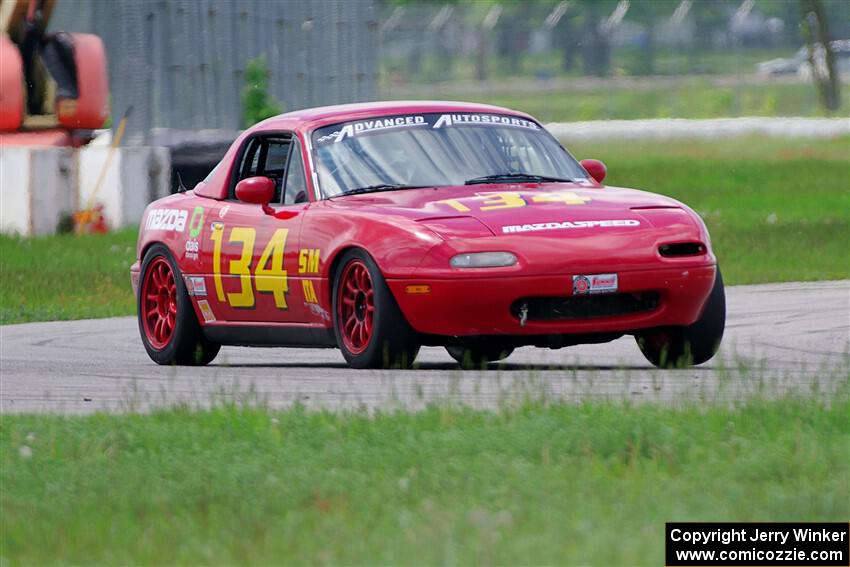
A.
pixel 522 209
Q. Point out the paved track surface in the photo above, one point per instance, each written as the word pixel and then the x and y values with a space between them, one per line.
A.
pixel 779 338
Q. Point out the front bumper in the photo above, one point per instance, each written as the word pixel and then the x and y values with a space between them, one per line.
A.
pixel 470 306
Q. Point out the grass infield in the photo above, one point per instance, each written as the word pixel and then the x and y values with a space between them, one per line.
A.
pixel 66 277
pixel 539 484
pixel 685 100
pixel 777 211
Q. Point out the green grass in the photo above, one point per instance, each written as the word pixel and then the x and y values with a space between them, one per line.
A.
pixel 66 277
pixel 684 84
pixel 686 99
pixel 554 484
pixel 625 61
pixel 778 210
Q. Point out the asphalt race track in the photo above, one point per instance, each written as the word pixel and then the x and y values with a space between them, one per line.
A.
pixel 779 338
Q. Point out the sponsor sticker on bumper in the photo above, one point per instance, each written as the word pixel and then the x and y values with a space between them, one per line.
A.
pixel 206 311
pixel 593 284
pixel 196 286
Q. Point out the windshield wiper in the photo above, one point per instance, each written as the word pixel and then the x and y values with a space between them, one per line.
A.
pixel 514 176
pixel 381 187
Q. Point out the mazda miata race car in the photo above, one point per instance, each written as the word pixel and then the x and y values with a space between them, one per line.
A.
pixel 378 228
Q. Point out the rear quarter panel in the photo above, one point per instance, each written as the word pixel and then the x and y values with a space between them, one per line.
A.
pixel 169 221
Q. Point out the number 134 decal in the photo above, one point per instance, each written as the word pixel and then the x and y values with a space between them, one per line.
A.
pixel 269 276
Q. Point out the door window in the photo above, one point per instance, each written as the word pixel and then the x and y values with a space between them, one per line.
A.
pixel 296 184
pixel 266 156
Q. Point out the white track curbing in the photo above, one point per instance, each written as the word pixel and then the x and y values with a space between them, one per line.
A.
pixel 712 128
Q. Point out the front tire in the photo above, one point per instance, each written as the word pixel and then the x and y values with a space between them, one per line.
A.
pixel 678 347
pixel 167 323
pixel 478 356
pixel 370 329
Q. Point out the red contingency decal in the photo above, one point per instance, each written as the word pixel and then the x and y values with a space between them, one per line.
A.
pixel 598 283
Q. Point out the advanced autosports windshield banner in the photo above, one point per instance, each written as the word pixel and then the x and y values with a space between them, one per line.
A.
pixel 339 132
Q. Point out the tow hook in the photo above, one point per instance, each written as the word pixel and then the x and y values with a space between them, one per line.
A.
pixel 523 314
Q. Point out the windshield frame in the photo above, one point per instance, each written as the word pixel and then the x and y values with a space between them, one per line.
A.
pixel 320 194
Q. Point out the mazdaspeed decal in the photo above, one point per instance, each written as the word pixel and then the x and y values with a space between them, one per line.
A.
pixel 569 225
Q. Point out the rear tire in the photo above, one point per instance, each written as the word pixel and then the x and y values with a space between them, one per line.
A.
pixel 478 356
pixel 167 323
pixel 370 329
pixel 678 347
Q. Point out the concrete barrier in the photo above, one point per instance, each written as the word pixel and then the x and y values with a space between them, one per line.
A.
pixel 39 186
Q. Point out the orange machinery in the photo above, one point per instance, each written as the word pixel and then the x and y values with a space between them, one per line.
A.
pixel 53 86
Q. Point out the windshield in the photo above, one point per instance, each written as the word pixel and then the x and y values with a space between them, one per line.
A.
pixel 436 149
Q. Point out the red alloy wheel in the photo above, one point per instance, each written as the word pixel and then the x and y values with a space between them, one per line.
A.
pixel 159 303
pixel 356 307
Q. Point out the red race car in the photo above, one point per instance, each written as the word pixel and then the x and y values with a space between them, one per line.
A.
pixel 377 228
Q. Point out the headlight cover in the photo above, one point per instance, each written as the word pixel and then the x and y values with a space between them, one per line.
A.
pixel 483 260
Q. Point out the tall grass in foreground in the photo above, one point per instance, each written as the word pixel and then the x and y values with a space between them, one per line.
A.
pixel 554 483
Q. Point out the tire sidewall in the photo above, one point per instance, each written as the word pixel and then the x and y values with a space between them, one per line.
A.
pixel 705 335
pixel 387 321
pixel 696 343
pixel 170 353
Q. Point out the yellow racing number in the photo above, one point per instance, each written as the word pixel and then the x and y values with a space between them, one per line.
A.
pixel 217 234
pixel 566 197
pixel 513 200
pixel 242 267
pixel 269 275
pixel 273 279
pixel 502 201
pixel 455 204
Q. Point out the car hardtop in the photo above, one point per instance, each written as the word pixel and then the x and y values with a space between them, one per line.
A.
pixel 306 120
pixel 309 119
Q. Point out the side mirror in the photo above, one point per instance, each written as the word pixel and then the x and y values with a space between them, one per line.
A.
pixel 595 168
pixel 256 191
